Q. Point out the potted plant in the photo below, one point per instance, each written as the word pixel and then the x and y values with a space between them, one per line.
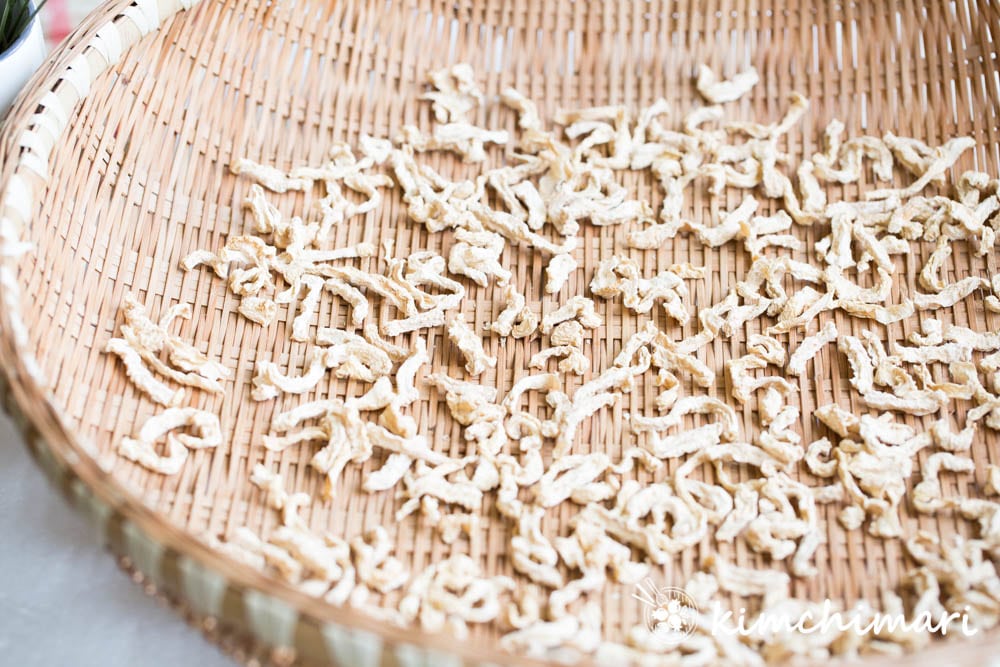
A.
pixel 22 47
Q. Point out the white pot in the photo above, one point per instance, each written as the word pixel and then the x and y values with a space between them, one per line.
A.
pixel 19 62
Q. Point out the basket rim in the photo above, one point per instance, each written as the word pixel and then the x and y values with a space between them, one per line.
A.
pixel 65 457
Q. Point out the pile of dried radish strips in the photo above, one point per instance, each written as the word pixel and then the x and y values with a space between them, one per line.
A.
pixel 533 463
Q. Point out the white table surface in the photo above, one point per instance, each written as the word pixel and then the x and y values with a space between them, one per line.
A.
pixel 63 599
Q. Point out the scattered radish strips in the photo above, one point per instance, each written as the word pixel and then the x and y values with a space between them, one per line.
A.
pixel 531 451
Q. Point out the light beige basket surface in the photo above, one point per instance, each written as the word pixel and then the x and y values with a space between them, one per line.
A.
pixel 138 177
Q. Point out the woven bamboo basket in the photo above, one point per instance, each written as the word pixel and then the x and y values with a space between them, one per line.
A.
pixel 134 122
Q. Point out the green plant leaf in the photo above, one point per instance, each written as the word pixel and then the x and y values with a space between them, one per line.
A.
pixel 4 18
pixel 16 17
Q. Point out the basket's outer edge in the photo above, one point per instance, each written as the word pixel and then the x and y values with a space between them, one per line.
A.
pixel 209 584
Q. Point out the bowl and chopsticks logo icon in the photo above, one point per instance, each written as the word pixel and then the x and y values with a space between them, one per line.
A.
pixel 671 615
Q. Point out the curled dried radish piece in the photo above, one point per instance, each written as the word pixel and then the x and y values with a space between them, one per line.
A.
pixel 838 420
pixel 313 286
pixel 931 333
pixel 727 90
pixel 424 320
pixel 930 275
pixel 874 471
pixel 928 169
pixel 558 271
pixel 809 347
pixel 620 275
pixel 533 135
pixel 605 127
pixel 394 469
pixel 983 341
pixel 578 308
pixel 140 350
pixel 602 391
pixel 572 359
pixel 541 637
pixel 141 449
pixel 461 137
pixel 199 257
pixel 652 519
pixel 532 554
pixel 879 313
pixel 376 569
pixel 453 593
pixel 477 256
pixel 993 480
pixel 742 384
pixel 259 310
pixel 669 358
pixel 353 296
pixel 426 268
pixel 950 294
pixel 451 526
pixel 690 405
pixel 269 381
pixel 521 196
pixel 353 356
pixel 273 485
pixel 955 575
pixel 952 441
pixel 592 551
pixel 787 524
pixel 568 473
pixel 406 392
pixel 324 560
pixel 927 495
pixel 397 293
pixel 516 319
pixel 271 178
pixel 470 345
pixel 140 376
pixel 772 585
pixel 913 401
pixel 455 93
pixel 678 445
pixel 592 193
pixel 342 170
pixel 249 548
pixel 569 332
pixel 734 224
pixel 426 481
pixel 250 252
pixel 842 161
pixel 947 353
pixel 423 269
pixel 469 402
